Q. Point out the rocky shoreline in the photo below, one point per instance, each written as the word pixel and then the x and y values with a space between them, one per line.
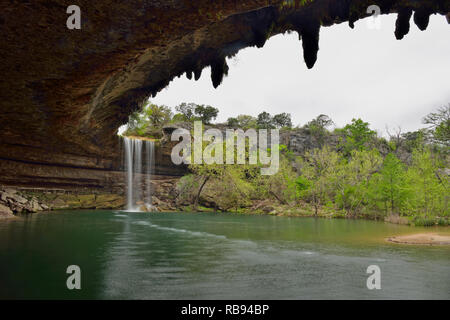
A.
pixel 15 201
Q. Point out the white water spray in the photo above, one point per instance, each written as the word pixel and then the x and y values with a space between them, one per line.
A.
pixel 138 174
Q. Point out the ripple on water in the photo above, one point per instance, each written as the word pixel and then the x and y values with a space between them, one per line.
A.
pixel 188 232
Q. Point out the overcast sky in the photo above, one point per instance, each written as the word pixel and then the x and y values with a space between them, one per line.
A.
pixel 362 73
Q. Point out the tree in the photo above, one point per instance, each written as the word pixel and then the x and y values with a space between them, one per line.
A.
pixel 187 110
pixel 321 121
pixel 318 128
pixel 357 136
pixel 428 190
pixel 264 121
pixel 352 179
pixel 391 183
pixel 242 121
pixel 282 120
pixel 415 140
pixel 233 122
pixel 136 124
pixel 157 115
pixel 206 113
pixel 440 125
pixel 280 186
pixel 317 170
pixel 246 122
pixel 178 117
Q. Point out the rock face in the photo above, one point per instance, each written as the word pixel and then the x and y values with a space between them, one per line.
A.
pixel 64 93
pixel 16 201
pixel 21 201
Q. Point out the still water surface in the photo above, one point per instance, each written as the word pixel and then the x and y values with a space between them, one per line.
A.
pixel 213 256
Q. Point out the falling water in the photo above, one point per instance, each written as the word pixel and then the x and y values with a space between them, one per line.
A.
pixel 137 179
pixel 150 146
pixel 138 174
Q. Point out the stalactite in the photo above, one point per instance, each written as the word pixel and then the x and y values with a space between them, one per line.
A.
pixel 259 38
pixel 352 19
pixel 197 73
pixel 402 23
pixel 422 18
pixel 310 35
pixel 219 68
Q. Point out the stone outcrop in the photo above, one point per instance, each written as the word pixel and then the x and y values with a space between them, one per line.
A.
pixel 64 93
pixel 16 201
pixel 22 201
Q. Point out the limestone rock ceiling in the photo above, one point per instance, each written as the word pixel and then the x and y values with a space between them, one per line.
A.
pixel 67 91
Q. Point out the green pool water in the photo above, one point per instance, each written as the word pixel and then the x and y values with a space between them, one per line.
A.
pixel 126 255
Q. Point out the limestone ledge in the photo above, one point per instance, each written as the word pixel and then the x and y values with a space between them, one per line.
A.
pixel 18 200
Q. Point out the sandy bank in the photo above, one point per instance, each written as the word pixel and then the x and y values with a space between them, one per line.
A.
pixel 422 238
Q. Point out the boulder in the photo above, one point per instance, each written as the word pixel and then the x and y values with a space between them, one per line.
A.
pixel 5 212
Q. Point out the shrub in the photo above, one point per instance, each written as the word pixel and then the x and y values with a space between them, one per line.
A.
pixel 443 222
pixel 424 222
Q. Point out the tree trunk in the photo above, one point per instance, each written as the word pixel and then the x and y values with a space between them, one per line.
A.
pixel 199 192
pixel 278 198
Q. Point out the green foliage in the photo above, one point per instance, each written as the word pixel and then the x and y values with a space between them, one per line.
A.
pixel 318 128
pixel 388 186
pixel 192 111
pixel 443 222
pixel 302 184
pixel 440 125
pixel 242 121
pixel 405 178
pixel 206 113
pixel 246 121
pixel 136 124
pixel 187 110
pixel 428 192
pixel 282 120
pixel 157 115
pixel 264 121
pixel 352 180
pixel 424 222
pixel 178 117
pixel 233 122
pixel 318 172
pixel 415 140
pixel 357 136
pixel 152 117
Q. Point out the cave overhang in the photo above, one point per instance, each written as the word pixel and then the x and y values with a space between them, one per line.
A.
pixel 67 91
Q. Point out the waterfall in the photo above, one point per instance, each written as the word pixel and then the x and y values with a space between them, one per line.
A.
pixel 150 146
pixel 137 178
pixel 129 167
pixel 138 173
